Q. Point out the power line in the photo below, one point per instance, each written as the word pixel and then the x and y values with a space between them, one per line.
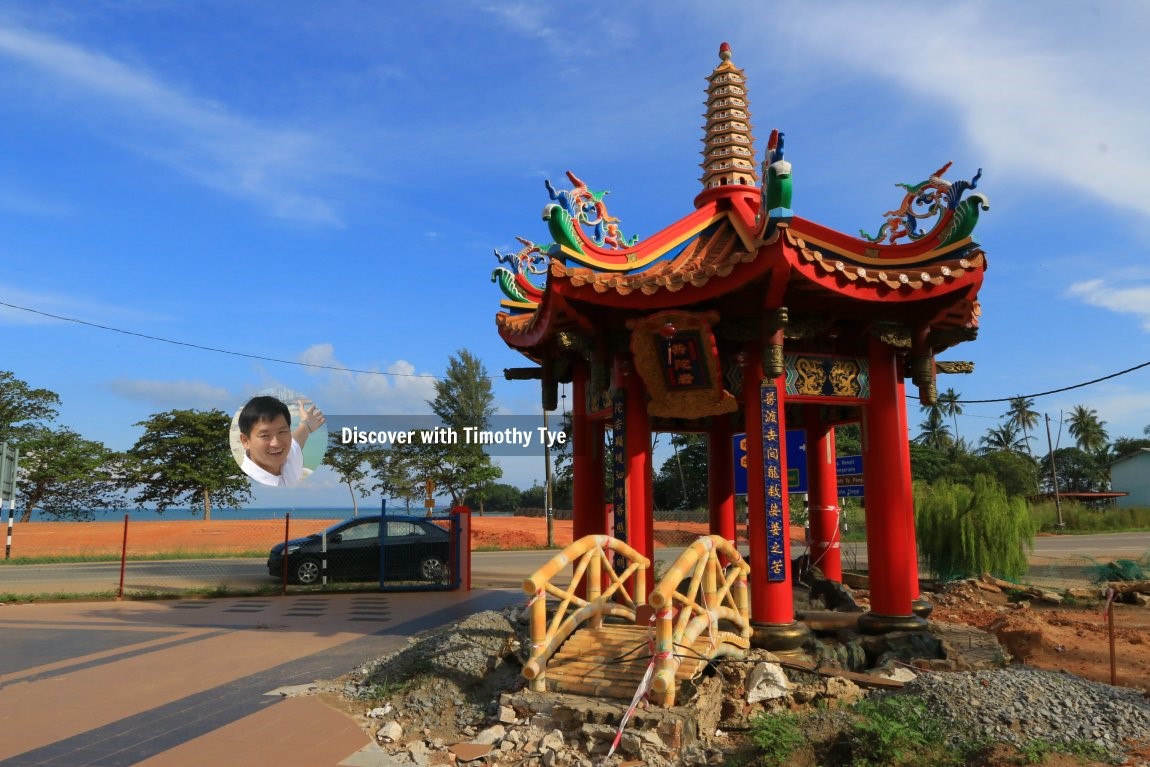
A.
pixel 212 348
pixel 262 358
pixel 1054 391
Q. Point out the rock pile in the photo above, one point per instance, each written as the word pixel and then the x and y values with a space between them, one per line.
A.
pixel 455 696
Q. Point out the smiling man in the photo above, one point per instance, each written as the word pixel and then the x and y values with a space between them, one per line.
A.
pixel 273 453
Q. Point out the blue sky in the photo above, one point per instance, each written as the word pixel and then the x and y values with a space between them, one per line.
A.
pixel 325 182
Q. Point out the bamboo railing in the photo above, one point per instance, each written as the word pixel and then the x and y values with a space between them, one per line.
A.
pixel 714 593
pixel 591 565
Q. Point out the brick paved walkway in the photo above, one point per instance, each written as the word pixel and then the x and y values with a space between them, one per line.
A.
pixel 174 683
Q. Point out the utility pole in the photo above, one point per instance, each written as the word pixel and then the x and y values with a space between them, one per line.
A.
pixel 1054 474
pixel 547 488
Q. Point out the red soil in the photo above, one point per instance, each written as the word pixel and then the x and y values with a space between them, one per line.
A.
pixel 1073 639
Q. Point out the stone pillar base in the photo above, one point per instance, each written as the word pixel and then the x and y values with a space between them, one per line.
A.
pixel 779 638
pixel 871 623
pixel 921 608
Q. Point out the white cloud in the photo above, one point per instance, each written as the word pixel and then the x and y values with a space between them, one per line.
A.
pixel 1043 92
pixel 395 389
pixel 269 166
pixel 174 394
pixel 1128 299
pixel 530 20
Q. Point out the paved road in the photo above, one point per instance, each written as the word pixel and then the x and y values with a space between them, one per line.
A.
pixel 490 569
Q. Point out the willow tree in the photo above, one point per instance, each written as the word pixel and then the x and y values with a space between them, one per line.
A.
pixel 965 531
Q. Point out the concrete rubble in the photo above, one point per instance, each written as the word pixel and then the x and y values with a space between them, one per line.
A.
pixel 456 696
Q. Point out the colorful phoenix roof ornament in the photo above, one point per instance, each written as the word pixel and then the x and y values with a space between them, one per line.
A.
pixel 513 281
pixel 580 206
pixel 934 198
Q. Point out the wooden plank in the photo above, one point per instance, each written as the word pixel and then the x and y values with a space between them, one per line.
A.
pixel 862 680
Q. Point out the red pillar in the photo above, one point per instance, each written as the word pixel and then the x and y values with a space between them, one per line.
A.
pixel 908 491
pixel 889 552
pixel 823 494
pixel 587 517
pixel 640 521
pixel 772 602
pixel 721 478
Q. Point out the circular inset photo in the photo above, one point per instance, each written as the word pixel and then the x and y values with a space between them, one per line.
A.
pixel 278 437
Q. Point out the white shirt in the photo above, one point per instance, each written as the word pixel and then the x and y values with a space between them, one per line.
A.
pixel 289 476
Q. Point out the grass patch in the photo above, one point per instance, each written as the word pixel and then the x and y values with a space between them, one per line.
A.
pixel 777 736
pixel 897 730
pixel 58 596
pixel 155 557
pixel 1036 751
pixel 1081 519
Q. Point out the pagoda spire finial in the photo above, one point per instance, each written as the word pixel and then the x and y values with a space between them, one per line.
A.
pixel 728 144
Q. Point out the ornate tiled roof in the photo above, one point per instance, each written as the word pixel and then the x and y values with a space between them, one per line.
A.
pixel 715 251
pixel 740 235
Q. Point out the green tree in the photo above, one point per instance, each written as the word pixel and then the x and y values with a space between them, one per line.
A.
pixel 1016 472
pixel 933 432
pixel 395 473
pixel 499 496
pixel 848 439
pixel 352 463
pixel 928 464
pixel 950 405
pixel 463 399
pixel 1023 415
pixel 66 476
pixel 1077 470
pixel 1006 437
pixel 183 458
pixel 1124 446
pixel 22 408
pixel 682 479
pixel 534 497
pixel 970 530
pixel 1088 431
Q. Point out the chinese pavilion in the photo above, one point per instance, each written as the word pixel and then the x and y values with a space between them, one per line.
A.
pixel 744 317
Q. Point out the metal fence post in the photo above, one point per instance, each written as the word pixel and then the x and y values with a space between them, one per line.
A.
pixel 287 536
pixel 123 558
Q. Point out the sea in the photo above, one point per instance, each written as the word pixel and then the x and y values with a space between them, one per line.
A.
pixel 247 513
pixel 223 514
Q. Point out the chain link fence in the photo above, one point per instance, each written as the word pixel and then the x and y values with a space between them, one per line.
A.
pixel 160 558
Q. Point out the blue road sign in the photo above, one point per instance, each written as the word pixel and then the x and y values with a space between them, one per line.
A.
pixel 848 468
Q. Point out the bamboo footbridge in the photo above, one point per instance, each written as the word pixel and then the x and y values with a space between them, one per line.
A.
pixel 605 637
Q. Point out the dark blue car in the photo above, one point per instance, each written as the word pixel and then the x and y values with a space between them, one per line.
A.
pixel 415 549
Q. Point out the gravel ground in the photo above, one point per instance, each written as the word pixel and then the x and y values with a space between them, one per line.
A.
pixel 1018 704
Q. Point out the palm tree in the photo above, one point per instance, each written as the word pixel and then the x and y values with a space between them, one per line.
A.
pixel 1002 438
pixel 1087 430
pixel 934 431
pixel 949 404
pixel 1023 415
